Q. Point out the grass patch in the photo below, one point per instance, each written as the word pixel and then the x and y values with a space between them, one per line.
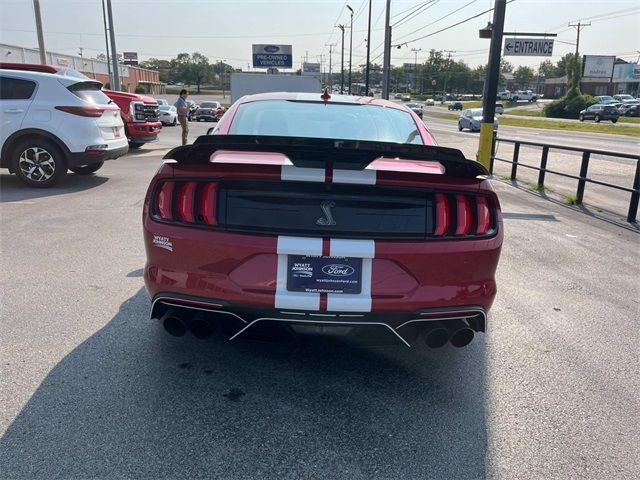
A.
pixel 571 199
pixel 629 119
pixel 610 128
pixel 523 112
pixel 506 178
pixel 536 187
pixel 472 104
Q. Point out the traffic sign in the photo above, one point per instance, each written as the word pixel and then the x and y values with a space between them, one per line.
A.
pixel 528 47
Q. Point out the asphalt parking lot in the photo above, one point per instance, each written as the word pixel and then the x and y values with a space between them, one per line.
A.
pixel 91 388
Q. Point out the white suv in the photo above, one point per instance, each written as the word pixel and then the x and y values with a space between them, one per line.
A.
pixel 51 123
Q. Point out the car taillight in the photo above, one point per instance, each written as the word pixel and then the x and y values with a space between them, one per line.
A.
pixel 462 215
pixel 83 111
pixel 187 202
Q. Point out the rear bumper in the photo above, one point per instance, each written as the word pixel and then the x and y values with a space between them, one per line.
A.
pixel 80 158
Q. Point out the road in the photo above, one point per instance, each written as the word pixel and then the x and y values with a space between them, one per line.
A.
pixel 91 388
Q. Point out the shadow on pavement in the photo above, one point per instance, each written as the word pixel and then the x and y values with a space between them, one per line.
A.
pixel 13 189
pixel 131 401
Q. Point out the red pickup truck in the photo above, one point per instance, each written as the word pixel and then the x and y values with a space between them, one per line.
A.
pixel 139 113
pixel 140 116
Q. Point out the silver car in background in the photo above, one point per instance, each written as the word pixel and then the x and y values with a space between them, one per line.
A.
pixel 472 118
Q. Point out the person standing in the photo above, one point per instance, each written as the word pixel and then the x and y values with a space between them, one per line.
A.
pixel 183 114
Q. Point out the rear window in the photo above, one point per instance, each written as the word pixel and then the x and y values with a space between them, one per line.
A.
pixel 208 105
pixel 332 120
pixel 90 92
pixel 16 88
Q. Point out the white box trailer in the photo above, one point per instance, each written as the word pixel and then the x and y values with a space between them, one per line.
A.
pixel 249 83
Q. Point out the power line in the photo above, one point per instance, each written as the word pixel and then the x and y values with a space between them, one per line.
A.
pixel 442 18
pixel 412 15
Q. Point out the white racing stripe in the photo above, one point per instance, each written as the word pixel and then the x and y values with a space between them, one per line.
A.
pixel 295 246
pixel 365 249
pixel 299 174
pixel 360 177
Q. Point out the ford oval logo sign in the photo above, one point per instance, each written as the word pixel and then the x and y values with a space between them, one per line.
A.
pixel 271 48
pixel 336 270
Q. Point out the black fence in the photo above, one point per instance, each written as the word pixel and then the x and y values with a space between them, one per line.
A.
pixel 582 177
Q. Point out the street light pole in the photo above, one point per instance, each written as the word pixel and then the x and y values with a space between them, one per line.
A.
pixel 341 27
pixel 106 40
pixel 387 54
pixel 350 47
pixel 366 77
pixel 43 54
pixel 415 66
pixel 114 52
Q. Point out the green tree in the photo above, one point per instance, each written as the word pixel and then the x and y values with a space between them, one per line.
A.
pixel 524 76
pixel 561 66
pixel 200 70
pixel 547 69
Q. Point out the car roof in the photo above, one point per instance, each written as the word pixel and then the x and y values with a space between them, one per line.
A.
pixel 317 98
pixel 40 76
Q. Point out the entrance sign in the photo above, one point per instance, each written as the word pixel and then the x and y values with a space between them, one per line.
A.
pixel 528 47
pixel 265 56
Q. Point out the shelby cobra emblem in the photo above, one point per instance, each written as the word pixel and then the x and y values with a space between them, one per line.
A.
pixel 327 220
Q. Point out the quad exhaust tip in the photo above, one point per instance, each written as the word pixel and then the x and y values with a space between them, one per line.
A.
pixel 173 323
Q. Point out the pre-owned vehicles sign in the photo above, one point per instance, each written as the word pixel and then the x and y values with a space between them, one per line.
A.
pixel 528 47
pixel 266 56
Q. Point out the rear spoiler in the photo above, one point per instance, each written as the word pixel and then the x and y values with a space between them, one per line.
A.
pixel 322 152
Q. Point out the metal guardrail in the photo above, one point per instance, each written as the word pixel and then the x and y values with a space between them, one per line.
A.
pixel 582 178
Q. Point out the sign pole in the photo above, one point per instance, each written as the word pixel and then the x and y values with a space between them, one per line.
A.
pixel 491 85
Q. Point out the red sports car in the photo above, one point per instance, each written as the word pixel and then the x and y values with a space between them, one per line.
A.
pixel 322 214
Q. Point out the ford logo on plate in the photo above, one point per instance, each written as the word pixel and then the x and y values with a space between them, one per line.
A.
pixel 271 48
pixel 336 270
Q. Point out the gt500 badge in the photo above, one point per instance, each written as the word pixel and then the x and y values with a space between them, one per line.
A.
pixel 163 242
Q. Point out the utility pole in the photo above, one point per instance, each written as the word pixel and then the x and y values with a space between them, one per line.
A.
pixel 579 26
pixel 350 47
pixel 366 77
pixel 341 27
pixel 386 67
pixel 43 53
pixel 331 45
pixel 114 52
pixel 446 72
pixel 106 41
pixel 415 66
pixel 491 85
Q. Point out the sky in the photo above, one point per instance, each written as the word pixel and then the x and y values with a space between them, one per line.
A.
pixel 226 29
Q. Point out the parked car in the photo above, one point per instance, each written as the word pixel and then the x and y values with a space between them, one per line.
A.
pixel 429 102
pixel 82 130
pixel 398 96
pixel 499 108
pixel 623 108
pixel 139 113
pixel 527 95
pixel 168 115
pixel 415 108
pixel 504 95
pixel 604 99
pixel 454 106
pixel 406 98
pixel 632 111
pixel 162 101
pixel 624 98
pixel 599 112
pixel 208 111
pixel 337 215
pixel 193 107
pixel 472 118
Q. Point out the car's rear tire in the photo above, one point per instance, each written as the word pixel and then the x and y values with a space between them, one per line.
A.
pixel 87 169
pixel 175 122
pixel 614 120
pixel 459 127
pixel 597 118
pixel 581 117
pixel 38 163
pixel 135 145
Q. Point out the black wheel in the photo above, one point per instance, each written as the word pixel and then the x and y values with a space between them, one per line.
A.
pixel 175 122
pixel 38 163
pixel 614 120
pixel 135 144
pixel 87 169
pixel 597 118
pixel 581 118
pixel 459 127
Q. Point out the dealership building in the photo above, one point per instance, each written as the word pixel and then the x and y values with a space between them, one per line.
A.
pixel 602 75
pixel 130 76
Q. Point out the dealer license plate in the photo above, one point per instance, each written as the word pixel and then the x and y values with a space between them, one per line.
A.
pixel 324 274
